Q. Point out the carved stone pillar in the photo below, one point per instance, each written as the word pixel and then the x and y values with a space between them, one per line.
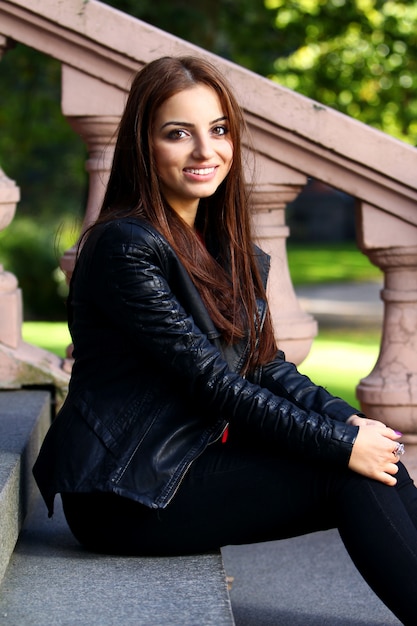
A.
pixel 98 132
pixel 20 363
pixel 10 295
pixel 389 393
pixel 93 109
pixel 295 329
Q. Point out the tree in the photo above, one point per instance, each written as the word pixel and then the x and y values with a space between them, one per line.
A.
pixel 40 151
pixel 240 30
pixel 38 148
pixel 358 56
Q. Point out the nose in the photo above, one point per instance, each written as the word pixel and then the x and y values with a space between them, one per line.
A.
pixel 203 148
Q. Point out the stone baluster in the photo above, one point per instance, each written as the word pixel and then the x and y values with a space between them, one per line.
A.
pixel 389 392
pixel 21 363
pixel 295 329
pixel 98 133
pixel 10 295
pixel 11 309
pixel 93 109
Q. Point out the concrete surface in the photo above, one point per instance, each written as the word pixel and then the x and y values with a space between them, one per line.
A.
pixel 305 581
pixel 24 418
pixel 51 580
pixel 310 580
pixel 349 304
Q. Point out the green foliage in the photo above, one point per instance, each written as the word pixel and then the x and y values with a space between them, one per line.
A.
pixel 38 148
pixel 32 253
pixel 40 151
pixel 359 57
pixel 313 264
pixel 240 30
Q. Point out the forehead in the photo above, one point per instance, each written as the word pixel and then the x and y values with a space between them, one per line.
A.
pixel 197 102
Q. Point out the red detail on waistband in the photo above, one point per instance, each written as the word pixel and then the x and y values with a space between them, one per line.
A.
pixel 225 434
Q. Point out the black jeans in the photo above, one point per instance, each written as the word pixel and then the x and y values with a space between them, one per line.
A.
pixel 240 493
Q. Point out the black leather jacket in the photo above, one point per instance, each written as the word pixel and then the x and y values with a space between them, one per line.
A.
pixel 152 385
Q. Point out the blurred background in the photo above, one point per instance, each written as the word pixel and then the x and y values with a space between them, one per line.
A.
pixel 359 57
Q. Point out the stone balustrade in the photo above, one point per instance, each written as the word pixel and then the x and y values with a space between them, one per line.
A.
pixel 290 138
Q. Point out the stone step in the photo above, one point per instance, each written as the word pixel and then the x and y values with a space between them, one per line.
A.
pixel 24 419
pixel 50 579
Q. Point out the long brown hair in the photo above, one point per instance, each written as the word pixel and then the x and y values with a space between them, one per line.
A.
pixel 224 268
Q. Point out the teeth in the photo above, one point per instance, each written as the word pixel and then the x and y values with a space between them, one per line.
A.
pixel 201 172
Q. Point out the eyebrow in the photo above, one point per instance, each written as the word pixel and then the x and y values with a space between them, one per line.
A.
pixel 188 125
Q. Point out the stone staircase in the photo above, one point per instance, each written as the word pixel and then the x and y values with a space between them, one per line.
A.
pixel 47 578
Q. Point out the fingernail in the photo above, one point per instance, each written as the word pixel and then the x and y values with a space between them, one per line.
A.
pixel 397 432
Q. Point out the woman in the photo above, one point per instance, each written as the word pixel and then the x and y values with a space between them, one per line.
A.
pixel 184 428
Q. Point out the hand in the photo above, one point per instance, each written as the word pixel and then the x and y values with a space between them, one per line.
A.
pixel 356 420
pixel 372 453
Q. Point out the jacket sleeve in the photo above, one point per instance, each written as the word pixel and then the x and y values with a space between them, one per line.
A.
pixel 282 378
pixel 133 287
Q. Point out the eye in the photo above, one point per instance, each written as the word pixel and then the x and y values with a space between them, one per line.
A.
pixel 176 134
pixel 220 130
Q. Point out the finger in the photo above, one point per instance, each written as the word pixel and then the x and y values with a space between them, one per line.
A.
pixel 392 469
pixel 388 479
pixel 370 422
pixel 398 451
pixel 356 420
pixel 386 476
pixel 393 435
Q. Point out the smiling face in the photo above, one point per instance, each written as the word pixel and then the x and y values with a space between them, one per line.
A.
pixel 192 148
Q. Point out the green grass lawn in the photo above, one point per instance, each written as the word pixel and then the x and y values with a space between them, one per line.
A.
pixel 52 336
pixel 321 263
pixel 339 358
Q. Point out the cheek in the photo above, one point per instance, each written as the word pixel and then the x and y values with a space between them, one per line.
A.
pixel 230 156
pixel 230 151
pixel 162 161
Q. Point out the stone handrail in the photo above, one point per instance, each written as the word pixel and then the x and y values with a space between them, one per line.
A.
pixel 291 138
